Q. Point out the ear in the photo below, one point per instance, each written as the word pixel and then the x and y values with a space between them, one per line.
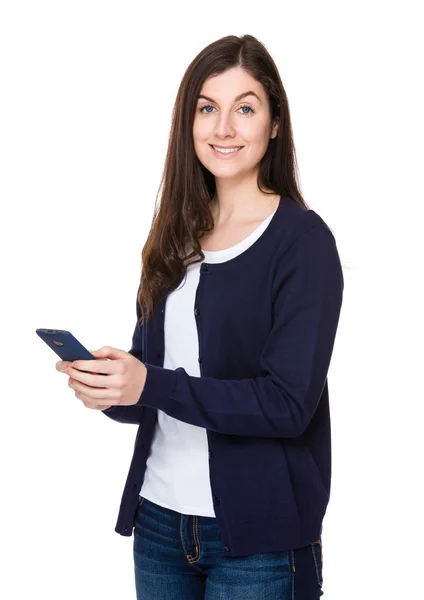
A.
pixel 274 130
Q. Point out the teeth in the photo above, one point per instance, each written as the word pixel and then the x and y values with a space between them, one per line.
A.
pixel 226 150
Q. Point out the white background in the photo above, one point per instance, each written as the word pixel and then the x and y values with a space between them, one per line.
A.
pixel 87 90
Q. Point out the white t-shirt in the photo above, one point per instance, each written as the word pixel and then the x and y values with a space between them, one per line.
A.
pixel 177 469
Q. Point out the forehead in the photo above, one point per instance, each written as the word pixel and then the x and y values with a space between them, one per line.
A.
pixel 233 82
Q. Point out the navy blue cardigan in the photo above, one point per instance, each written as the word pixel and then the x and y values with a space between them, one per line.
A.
pixel 266 322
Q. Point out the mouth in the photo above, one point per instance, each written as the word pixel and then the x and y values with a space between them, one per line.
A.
pixel 226 153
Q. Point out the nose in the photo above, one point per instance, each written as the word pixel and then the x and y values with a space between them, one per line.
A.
pixel 224 126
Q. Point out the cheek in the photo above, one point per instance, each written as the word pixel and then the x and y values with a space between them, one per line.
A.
pixel 256 133
pixel 198 146
pixel 201 130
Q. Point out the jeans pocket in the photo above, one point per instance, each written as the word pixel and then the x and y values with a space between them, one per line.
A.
pixel 316 548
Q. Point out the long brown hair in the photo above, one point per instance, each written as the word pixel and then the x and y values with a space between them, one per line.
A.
pixel 184 214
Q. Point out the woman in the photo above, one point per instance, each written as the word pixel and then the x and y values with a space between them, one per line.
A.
pixel 230 477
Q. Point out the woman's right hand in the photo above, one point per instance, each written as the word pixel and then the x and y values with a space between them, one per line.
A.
pixel 61 366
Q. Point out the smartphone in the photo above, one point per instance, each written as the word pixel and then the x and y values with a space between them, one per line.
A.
pixel 66 346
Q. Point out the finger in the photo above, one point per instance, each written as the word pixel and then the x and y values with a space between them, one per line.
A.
pixel 92 406
pixel 93 380
pixel 97 407
pixel 100 365
pixel 91 403
pixel 62 365
pixel 94 394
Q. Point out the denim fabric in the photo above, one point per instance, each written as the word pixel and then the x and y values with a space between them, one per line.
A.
pixel 180 557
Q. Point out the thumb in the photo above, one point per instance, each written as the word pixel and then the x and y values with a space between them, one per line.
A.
pixel 109 352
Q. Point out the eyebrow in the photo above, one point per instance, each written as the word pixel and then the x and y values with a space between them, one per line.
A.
pixel 236 99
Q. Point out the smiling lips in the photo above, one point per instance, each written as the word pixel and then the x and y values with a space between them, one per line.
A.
pixel 227 151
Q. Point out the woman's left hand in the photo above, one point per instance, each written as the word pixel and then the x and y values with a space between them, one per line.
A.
pixel 122 385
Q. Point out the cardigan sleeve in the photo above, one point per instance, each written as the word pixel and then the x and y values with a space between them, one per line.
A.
pixel 130 414
pixel 307 298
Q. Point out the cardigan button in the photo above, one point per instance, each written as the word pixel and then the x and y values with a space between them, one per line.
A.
pixel 205 267
pixel 196 311
pixel 216 500
pixel 210 454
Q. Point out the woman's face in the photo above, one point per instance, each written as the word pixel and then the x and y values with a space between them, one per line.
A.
pixel 223 120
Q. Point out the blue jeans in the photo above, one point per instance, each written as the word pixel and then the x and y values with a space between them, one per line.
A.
pixel 179 557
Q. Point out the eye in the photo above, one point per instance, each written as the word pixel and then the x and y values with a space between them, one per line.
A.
pixel 201 109
pixel 249 107
pixel 205 106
